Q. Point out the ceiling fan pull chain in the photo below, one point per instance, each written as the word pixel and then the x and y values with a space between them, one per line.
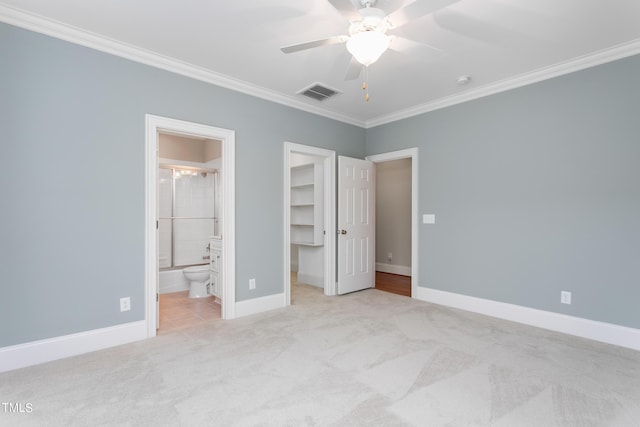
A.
pixel 365 83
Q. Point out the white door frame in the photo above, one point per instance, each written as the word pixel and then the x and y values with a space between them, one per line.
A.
pixel 409 153
pixel 329 164
pixel 154 125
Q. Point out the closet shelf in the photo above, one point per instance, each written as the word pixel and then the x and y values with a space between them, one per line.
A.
pixel 307 221
pixel 305 243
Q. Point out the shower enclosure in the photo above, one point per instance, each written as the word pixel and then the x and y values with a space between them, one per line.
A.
pixel 188 215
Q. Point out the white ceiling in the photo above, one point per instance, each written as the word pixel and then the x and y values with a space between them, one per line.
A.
pixel 499 43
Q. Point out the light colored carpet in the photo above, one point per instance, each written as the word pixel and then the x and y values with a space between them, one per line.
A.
pixel 365 359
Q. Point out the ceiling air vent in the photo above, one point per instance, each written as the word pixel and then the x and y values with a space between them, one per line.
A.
pixel 318 92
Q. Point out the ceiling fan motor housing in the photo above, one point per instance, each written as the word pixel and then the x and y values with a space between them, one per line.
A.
pixel 373 19
pixel 367 3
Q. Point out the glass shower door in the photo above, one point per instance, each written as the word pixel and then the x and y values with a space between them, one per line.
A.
pixel 186 205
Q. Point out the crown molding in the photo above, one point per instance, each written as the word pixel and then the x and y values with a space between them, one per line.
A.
pixel 40 24
pixel 576 64
pixel 50 27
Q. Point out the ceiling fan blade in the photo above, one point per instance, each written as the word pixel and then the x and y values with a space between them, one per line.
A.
pixel 346 8
pixel 353 70
pixel 315 43
pixel 417 9
pixel 481 31
pixel 404 45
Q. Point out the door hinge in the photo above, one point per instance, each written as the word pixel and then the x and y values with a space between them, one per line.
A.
pixel 157 297
pixel 157 226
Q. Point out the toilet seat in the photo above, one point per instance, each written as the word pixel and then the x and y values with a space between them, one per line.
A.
pixel 197 268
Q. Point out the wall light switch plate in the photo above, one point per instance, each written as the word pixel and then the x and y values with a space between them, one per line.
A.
pixel 428 219
pixel 125 304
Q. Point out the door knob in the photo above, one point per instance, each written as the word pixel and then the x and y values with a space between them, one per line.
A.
pixel 342 231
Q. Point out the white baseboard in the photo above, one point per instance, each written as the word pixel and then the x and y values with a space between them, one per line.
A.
pixel 310 279
pixel 591 329
pixel 36 352
pixel 403 270
pixel 258 305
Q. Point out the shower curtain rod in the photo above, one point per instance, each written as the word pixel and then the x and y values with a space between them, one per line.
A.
pixel 189 168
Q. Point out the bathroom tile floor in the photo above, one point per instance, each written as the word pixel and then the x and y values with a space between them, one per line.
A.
pixel 178 311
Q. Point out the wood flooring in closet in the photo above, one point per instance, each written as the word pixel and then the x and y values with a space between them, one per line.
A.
pixel 387 282
pixel 394 283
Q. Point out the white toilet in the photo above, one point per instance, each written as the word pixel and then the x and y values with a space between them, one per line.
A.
pixel 198 275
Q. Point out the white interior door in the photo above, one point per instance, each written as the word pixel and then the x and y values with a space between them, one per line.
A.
pixel 356 224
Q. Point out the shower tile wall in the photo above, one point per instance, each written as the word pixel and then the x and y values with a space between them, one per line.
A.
pixel 194 198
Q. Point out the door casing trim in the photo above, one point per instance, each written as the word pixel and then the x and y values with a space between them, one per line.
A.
pixel 409 153
pixel 155 125
pixel 329 164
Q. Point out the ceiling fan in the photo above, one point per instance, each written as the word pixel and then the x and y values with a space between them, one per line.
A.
pixel 369 24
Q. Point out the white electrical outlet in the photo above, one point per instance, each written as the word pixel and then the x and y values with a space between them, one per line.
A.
pixel 565 297
pixel 252 283
pixel 125 304
pixel 389 256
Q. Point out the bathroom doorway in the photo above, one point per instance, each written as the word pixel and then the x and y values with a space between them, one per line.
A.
pixel 188 220
pixel 195 163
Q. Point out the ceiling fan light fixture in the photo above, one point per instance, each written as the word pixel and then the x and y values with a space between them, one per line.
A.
pixel 368 46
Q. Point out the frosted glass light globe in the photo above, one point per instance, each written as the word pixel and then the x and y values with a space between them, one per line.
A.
pixel 368 46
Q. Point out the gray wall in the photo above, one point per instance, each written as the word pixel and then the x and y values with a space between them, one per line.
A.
pixel 535 190
pixel 393 212
pixel 72 216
